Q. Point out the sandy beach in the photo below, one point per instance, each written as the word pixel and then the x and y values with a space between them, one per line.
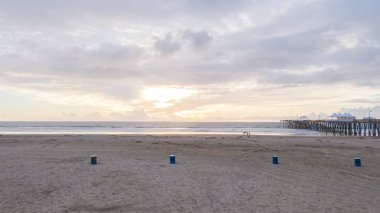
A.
pixel 214 173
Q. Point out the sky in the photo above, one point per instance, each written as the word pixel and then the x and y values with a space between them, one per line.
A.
pixel 188 60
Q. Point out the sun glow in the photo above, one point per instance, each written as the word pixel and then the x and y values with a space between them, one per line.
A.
pixel 164 97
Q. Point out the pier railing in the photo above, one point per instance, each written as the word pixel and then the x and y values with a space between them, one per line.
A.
pixel 335 127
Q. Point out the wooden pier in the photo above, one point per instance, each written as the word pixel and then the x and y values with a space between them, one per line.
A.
pixel 331 127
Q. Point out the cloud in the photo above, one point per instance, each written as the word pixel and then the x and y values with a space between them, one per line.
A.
pixel 214 7
pixel 167 45
pixel 113 51
pixel 198 39
pixel 362 112
pixel 327 34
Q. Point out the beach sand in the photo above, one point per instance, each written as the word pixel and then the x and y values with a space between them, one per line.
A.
pixel 214 173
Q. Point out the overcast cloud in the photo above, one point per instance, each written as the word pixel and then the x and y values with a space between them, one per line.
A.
pixel 243 59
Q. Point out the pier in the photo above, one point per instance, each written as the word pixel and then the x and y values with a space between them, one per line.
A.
pixel 331 127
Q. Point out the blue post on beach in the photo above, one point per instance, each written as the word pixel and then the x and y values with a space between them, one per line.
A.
pixel 358 162
pixel 93 160
pixel 172 159
pixel 274 160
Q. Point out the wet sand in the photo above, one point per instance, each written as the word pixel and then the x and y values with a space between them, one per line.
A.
pixel 214 173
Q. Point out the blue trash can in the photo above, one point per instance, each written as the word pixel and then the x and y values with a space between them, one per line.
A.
pixel 358 162
pixel 274 160
pixel 172 159
pixel 93 160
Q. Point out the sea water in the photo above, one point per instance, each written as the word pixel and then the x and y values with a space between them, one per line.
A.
pixel 255 128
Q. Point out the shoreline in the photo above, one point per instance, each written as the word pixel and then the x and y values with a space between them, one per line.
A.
pixel 184 134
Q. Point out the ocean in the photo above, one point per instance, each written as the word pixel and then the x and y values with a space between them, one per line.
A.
pixel 255 128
